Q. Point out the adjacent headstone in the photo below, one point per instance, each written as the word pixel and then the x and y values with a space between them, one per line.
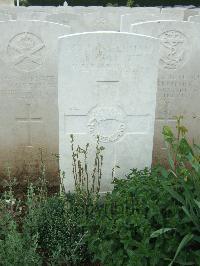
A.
pixel 23 13
pixel 7 13
pixel 108 18
pixel 75 21
pixel 6 2
pixel 174 13
pixel 28 13
pixel 3 17
pixel 149 15
pixel 107 88
pixel 194 19
pixel 101 21
pixel 28 93
pixel 128 19
pixel 190 12
pixel 178 79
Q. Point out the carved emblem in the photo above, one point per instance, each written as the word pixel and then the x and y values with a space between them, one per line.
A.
pixel 26 51
pixel 107 122
pixel 101 21
pixel 173 49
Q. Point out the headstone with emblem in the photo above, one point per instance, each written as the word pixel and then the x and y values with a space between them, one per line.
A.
pixel 28 93
pixel 178 79
pixel 107 89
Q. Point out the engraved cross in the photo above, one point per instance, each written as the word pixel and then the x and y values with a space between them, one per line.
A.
pixel 29 120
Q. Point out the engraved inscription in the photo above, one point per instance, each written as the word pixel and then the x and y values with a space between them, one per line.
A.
pixel 26 51
pixel 107 122
pixel 173 49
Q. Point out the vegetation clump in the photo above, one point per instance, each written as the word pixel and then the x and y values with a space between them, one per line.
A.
pixel 152 217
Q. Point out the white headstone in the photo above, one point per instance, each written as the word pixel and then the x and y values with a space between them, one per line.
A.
pixel 194 19
pixel 28 93
pixel 178 79
pixel 107 88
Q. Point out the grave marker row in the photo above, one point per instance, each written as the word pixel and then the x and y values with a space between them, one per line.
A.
pixel 106 88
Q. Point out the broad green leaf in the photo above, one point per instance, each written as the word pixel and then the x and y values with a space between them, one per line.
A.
pixel 182 244
pixel 185 263
pixel 170 159
pixel 164 172
pixel 174 194
pixel 197 203
pixel 190 216
pixel 160 232
pixel 184 147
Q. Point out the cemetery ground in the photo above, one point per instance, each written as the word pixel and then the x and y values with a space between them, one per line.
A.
pixel 152 217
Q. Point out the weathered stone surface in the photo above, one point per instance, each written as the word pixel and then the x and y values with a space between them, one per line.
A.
pixel 107 88
pixel 28 93
pixel 178 79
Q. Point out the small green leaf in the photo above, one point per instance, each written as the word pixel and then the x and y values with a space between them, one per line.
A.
pixel 168 134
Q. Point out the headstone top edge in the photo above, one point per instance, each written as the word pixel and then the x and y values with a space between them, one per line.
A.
pixel 162 21
pixel 191 17
pixel 106 33
pixel 38 21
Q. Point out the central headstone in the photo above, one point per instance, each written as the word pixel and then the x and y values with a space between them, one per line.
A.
pixel 107 88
